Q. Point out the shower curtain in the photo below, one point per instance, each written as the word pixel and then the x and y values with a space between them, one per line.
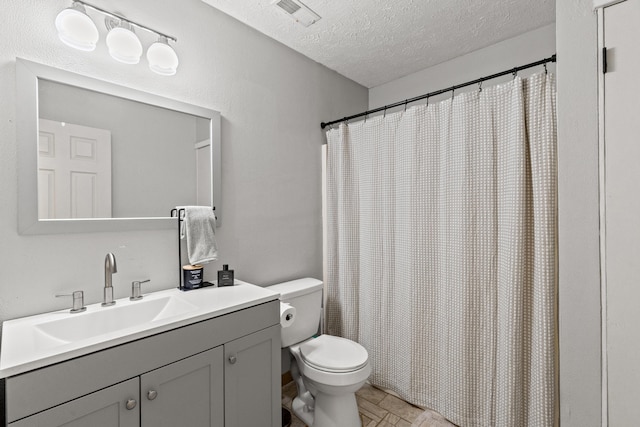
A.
pixel 441 257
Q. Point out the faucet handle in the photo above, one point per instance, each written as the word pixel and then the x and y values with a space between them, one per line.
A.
pixel 78 301
pixel 136 289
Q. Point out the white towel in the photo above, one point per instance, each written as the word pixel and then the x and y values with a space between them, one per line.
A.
pixel 199 228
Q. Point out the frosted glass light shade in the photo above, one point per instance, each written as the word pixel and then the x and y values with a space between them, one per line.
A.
pixel 162 58
pixel 124 45
pixel 76 29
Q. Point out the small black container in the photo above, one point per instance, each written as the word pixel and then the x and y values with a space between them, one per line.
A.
pixel 225 276
pixel 192 276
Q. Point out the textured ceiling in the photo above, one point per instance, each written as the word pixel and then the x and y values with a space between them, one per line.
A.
pixel 377 41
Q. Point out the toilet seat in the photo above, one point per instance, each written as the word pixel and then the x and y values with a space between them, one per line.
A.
pixel 332 354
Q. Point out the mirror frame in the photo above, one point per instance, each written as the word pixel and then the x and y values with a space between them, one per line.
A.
pixel 27 75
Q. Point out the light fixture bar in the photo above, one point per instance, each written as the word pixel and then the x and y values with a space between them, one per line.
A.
pixel 122 18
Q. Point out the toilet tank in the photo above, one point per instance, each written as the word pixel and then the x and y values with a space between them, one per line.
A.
pixel 306 296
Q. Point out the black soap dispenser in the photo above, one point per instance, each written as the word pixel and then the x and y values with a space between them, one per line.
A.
pixel 225 276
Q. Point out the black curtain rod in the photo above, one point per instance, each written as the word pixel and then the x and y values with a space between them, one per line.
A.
pixel 513 71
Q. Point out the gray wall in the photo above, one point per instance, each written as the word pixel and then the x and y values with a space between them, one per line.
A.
pixel 526 48
pixel 272 101
pixel 578 210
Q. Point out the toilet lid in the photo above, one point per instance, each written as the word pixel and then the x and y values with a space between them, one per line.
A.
pixel 334 354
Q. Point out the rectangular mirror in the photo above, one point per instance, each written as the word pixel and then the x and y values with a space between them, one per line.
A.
pixel 95 156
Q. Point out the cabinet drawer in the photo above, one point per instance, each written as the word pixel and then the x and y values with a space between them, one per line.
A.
pixel 104 408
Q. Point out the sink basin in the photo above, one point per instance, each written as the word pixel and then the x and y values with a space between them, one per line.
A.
pixel 111 319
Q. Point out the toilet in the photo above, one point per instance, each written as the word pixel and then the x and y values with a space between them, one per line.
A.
pixel 327 370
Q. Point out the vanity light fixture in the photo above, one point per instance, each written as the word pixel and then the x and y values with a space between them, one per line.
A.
pixel 162 58
pixel 77 29
pixel 123 44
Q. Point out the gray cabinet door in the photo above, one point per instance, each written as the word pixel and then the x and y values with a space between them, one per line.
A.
pixel 252 380
pixel 104 408
pixel 189 392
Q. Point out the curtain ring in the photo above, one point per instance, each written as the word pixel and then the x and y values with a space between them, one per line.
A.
pixel 515 72
pixel 453 91
pixel 480 86
pixel 545 68
pixel 405 105
pixel 427 100
pixel 385 112
pixel 365 118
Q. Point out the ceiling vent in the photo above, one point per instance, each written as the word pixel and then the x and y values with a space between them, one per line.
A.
pixel 298 11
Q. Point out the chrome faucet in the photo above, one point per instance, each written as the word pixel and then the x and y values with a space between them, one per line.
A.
pixel 109 268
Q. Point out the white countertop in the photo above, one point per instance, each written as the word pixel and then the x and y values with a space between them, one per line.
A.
pixel 26 345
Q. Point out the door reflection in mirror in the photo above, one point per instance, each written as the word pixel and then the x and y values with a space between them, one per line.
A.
pixel 150 164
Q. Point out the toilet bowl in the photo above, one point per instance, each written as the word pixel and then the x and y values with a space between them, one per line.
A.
pixel 327 370
pixel 332 369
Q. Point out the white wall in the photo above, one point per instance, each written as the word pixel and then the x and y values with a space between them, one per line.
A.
pixel 272 101
pixel 524 49
pixel 578 210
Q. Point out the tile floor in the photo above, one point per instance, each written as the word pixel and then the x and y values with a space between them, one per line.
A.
pixel 378 409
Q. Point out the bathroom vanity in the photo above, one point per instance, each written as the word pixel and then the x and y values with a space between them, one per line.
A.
pixel 209 357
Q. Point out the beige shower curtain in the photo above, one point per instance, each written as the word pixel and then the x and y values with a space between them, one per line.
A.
pixel 441 232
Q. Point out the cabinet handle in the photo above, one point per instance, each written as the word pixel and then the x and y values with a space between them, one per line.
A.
pixel 232 359
pixel 131 403
pixel 152 394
